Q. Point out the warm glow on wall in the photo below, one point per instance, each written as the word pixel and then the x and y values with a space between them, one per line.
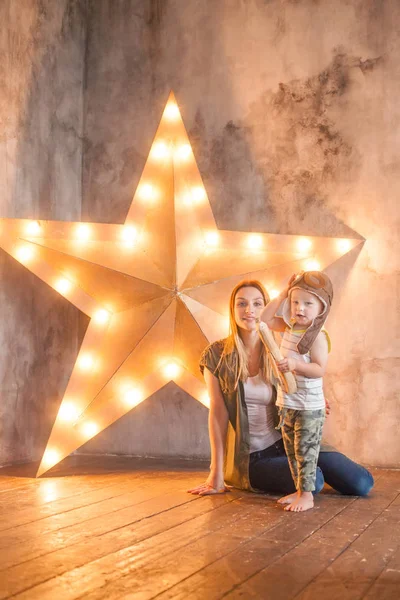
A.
pixel 304 244
pixel 82 231
pixel 212 238
pixel 312 265
pixel 171 370
pixel 160 151
pixel 86 362
pixel 25 253
pixel 133 396
pixel 274 293
pixel 51 457
pixel 183 152
pixel 198 193
pixel 147 192
pixel 254 242
pixel 89 429
pixel 33 228
pixel 102 316
pixel 63 285
pixel 205 399
pixel 129 235
pixel 68 411
pixel 343 246
pixel 171 111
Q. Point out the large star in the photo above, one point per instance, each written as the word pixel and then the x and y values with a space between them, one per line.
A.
pixel 156 288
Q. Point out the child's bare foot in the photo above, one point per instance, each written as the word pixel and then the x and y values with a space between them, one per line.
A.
pixel 304 501
pixel 288 499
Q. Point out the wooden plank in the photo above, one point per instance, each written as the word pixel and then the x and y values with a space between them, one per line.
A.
pixel 36 493
pixel 136 563
pixel 53 504
pixel 353 572
pixel 387 585
pixel 197 547
pixel 209 568
pixel 76 535
pixel 296 569
pixel 193 515
pixel 74 521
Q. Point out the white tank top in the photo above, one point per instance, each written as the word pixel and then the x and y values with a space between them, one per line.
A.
pixel 260 410
pixel 309 395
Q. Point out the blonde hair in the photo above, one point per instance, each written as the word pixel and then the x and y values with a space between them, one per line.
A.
pixel 234 355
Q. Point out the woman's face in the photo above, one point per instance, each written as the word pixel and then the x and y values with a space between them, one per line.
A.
pixel 248 306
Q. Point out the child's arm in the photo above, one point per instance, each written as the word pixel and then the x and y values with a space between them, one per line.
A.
pixel 319 359
pixel 268 314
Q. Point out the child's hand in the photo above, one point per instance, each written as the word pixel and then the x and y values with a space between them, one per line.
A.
pixel 287 364
pixel 285 292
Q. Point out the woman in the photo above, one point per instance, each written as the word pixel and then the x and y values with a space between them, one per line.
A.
pixel 246 450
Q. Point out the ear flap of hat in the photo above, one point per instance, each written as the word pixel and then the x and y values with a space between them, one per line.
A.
pixel 310 335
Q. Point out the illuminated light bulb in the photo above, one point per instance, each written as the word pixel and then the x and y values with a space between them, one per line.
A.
pixel 343 245
pixel 187 199
pixel 129 233
pixel 86 362
pixel 90 428
pixel 205 399
pixel 133 397
pixel 304 244
pixel 33 228
pixel 25 253
pixel 273 294
pixel 254 242
pixel 68 412
pixel 147 191
pixel 102 316
pixel 184 151
pixel 51 457
pixel 313 265
pixel 198 193
pixel 171 370
pixel 82 231
pixel 212 238
pixel 62 285
pixel 171 111
pixel 160 150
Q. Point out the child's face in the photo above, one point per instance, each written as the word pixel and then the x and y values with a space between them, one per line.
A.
pixel 249 303
pixel 304 308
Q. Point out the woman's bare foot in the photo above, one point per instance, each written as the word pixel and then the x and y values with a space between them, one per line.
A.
pixel 288 499
pixel 304 501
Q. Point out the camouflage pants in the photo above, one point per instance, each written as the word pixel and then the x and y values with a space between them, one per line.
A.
pixel 302 433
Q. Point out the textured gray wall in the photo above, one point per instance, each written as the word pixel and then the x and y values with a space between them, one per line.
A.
pixel 292 109
pixel 42 60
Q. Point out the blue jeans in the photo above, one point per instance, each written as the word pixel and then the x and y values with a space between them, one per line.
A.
pixel 269 472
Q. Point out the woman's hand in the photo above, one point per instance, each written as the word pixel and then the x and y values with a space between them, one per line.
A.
pixel 327 407
pixel 213 485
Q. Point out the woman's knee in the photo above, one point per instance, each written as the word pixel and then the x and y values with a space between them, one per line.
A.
pixel 363 484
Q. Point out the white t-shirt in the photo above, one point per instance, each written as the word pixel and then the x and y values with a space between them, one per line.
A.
pixel 260 410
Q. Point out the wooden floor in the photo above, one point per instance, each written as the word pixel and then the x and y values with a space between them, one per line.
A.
pixel 122 528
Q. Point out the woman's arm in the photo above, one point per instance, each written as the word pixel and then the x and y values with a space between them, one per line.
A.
pixel 217 428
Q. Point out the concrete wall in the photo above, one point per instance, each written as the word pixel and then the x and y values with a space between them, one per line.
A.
pixel 292 108
pixel 42 64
